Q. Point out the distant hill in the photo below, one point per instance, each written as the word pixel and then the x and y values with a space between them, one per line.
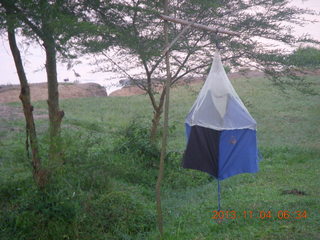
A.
pixel 10 93
pixel 133 90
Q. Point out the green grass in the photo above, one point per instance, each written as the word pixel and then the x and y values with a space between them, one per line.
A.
pixel 106 190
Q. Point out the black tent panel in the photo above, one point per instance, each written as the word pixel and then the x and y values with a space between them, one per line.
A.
pixel 202 151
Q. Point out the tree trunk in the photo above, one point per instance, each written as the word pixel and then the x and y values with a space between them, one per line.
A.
pixel 38 173
pixel 157 116
pixel 55 115
pixel 165 129
pixel 155 123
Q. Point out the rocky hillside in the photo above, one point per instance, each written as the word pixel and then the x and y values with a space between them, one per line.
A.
pixel 39 91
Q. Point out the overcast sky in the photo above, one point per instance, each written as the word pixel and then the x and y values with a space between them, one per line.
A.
pixel 34 58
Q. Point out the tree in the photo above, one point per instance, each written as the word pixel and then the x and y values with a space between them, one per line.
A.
pixel 37 21
pixel 138 41
pixel 165 126
pixel 54 24
pixel 39 174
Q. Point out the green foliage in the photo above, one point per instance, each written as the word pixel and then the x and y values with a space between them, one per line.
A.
pixel 308 57
pixel 61 21
pixel 138 33
pixel 136 149
pixel 134 140
pixel 37 215
pixel 227 68
pixel 122 215
pixel 80 198
pixel 178 178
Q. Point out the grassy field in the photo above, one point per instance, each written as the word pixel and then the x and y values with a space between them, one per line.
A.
pixel 105 189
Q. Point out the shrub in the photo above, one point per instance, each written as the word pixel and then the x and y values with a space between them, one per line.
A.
pixel 38 215
pixel 135 140
pixel 308 57
pixel 122 214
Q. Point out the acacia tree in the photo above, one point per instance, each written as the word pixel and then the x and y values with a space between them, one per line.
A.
pixel 165 125
pixel 54 24
pixel 138 41
pixel 137 52
pixel 36 20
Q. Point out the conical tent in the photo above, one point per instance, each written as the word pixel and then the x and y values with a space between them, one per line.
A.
pixel 221 132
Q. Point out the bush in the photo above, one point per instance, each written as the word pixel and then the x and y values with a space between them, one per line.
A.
pixel 84 165
pixel 135 141
pixel 308 57
pixel 38 215
pixel 122 215
pixel 81 147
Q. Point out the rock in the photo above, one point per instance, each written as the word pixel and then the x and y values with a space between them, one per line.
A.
pixel 39 91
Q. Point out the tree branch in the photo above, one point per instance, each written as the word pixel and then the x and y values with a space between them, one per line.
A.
pixel 22 17
pixel 188 71
pixel 187 57
pixel 200 26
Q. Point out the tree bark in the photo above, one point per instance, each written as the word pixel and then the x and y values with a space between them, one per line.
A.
pixel 158 109
pixel 155 123
pixel 25 98
pixel 55 115
pixel 165 128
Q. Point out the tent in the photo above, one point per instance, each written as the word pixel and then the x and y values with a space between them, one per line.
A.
pixel 221 133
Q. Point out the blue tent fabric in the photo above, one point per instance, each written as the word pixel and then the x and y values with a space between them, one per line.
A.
pixel 188 130
pixel 221 133
pixel 238 152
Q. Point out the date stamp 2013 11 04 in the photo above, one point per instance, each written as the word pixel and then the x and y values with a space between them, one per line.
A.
pixel 281 214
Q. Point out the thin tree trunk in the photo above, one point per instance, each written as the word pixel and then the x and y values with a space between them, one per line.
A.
pixel 55 115
pixel 38 175
pixel 157 116
pixel 165 128
pixel 155 123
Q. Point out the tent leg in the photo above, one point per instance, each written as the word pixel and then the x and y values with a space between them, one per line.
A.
pixel 218 195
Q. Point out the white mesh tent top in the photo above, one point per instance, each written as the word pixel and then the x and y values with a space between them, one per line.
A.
pixel 227 111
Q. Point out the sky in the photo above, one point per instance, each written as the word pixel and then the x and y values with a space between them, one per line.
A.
pixel 33 57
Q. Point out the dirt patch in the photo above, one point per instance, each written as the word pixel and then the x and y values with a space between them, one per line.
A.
pixel 127 91
pixel 39 91
pixel 293 192
pixel 9 113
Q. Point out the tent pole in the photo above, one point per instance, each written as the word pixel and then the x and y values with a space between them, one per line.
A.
pixel 219 195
